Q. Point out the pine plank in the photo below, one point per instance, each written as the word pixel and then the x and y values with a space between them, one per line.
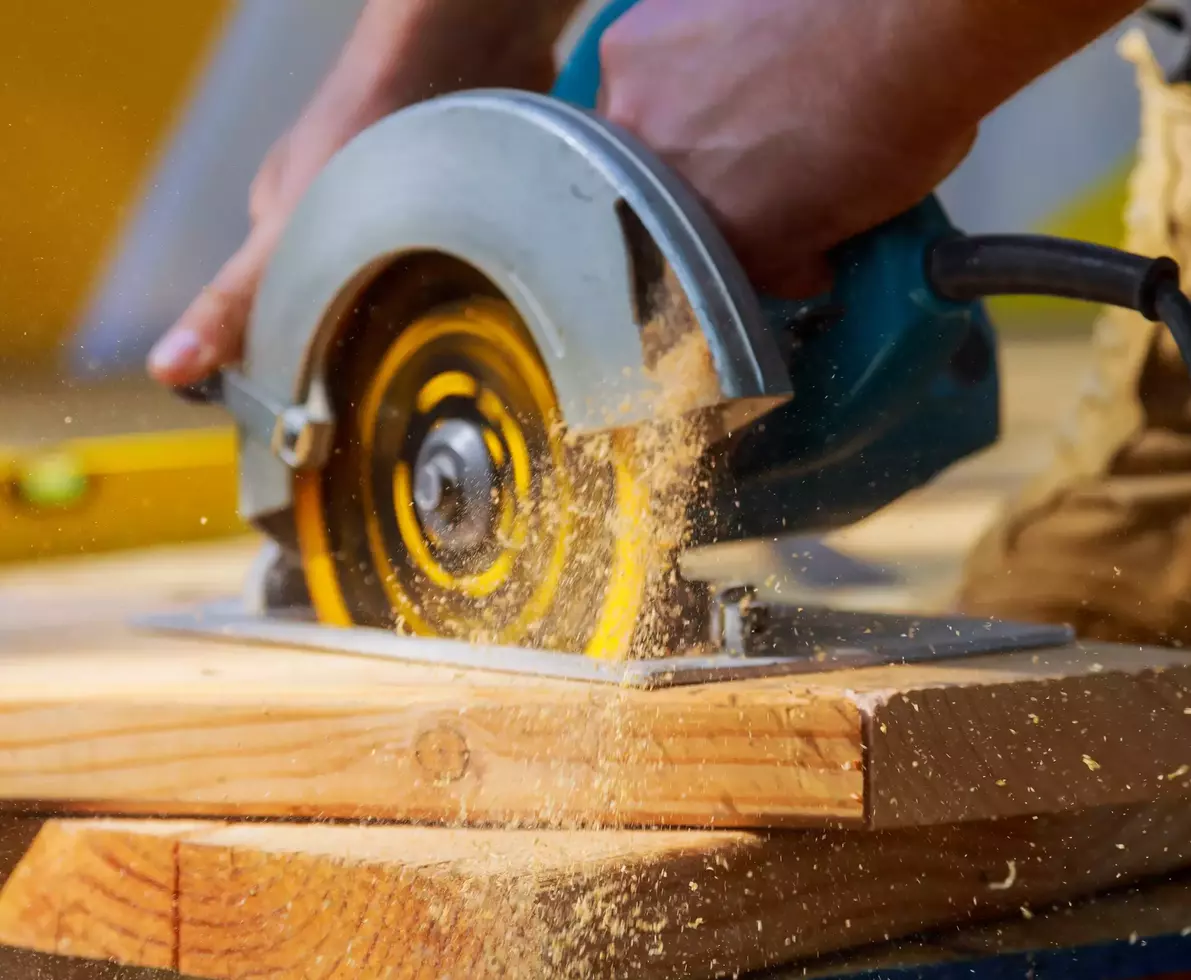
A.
pixel 228 900
pixel 94 717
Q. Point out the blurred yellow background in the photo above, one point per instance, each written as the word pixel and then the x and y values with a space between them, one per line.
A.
pixel 88 96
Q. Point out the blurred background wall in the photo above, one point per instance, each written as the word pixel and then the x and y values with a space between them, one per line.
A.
pixel 133 128
pixel 88 93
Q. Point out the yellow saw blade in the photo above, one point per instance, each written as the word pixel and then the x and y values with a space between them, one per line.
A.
pixel 455 505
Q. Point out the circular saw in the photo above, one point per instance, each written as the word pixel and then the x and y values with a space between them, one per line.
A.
pixel 503 369
pixel 480 375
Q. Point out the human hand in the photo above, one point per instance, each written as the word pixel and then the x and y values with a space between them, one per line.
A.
pixel 801 123
pixel 211 330
pixel 400 52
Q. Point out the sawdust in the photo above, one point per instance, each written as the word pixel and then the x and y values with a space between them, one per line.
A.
pixel 664 458
pixel 584 933
pixel 660 466
pixel 580 920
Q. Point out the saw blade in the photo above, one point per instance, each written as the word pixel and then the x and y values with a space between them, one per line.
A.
pixel 454 503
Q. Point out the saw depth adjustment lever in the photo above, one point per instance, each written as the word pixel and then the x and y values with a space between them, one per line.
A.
pixel 300 435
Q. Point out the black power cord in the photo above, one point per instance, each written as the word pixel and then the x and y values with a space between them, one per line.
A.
pixel 970 267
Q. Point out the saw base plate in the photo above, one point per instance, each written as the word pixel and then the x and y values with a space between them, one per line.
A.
pixel 800 640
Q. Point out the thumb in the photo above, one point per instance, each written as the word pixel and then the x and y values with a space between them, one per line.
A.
pixel 210 333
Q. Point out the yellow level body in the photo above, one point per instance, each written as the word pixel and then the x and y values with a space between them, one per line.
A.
pixel 109 493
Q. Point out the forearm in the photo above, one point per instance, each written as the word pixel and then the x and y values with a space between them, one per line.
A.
pixel 948 63
pixel 903 85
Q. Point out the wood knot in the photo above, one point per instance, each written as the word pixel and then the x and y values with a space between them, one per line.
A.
pixel 442 754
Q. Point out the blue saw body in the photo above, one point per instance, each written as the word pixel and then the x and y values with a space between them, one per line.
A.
pixel 892 383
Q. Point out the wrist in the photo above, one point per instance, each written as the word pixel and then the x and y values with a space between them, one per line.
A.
pixel 403 51
pixel 363 83
pixel 450 45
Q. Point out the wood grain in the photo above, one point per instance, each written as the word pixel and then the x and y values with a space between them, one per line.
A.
pixel 302 900
pixel 186 727
pixel 1114 729
pixel 102 719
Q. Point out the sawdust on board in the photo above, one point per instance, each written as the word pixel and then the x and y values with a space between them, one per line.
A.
pixel 663 460
pixel 572 910
pixel 665 457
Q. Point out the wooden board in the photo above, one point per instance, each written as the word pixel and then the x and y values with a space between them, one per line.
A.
pixel 96 717
pixel 1133 932
pixel 299 900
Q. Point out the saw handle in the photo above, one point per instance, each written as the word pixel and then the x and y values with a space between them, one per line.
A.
pixel 894 337
pixel 887 335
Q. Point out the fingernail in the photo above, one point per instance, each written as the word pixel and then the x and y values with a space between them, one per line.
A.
pixel 183 353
